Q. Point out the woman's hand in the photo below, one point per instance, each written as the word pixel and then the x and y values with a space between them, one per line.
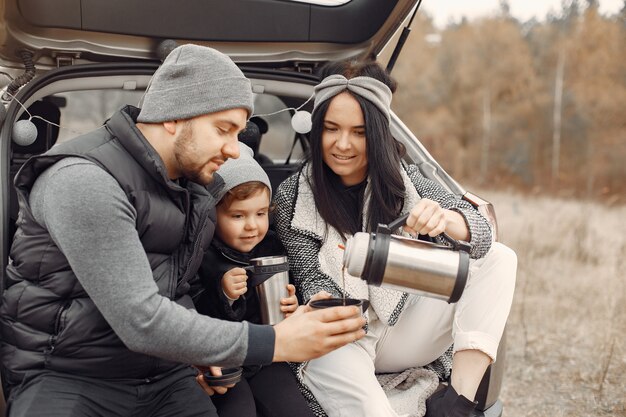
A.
pixel 289 304
pixel 428 218
pixel 234 283
pixel 215 371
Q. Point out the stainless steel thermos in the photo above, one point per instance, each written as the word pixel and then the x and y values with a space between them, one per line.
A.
pixel 407 264
pixel 270 276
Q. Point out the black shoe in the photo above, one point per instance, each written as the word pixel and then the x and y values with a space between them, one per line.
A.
pixel 448 403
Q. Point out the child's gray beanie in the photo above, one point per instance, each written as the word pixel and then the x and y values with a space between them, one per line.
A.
pixel 244 169
pixel 192 81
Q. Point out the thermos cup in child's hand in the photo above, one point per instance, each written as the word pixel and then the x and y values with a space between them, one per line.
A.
pixel 270 277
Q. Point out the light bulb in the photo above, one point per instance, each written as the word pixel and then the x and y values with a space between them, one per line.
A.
pixel 165 47
pixel 24 132
pixel 301 121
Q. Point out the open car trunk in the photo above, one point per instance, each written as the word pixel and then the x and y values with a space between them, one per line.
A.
pixel 80 60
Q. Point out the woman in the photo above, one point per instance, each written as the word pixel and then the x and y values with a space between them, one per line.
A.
pixel 354 179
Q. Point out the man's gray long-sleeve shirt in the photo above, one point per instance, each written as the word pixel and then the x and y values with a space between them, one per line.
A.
pixel 92 222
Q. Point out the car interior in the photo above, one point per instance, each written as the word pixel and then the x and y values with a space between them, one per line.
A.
pixel 61 113
pixel 102 56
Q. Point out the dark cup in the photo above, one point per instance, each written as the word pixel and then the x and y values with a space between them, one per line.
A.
pixel 336 302
pixel 230 376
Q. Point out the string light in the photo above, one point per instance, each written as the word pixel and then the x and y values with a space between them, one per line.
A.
pixel 24 132
pixel 301 119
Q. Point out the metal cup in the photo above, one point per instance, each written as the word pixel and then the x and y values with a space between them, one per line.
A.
pixel 270 277
pixel 338 302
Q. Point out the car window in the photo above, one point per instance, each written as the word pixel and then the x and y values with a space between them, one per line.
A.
pixel 280 136
pixel 86 110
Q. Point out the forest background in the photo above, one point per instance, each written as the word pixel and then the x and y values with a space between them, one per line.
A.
pixel 537 106
pixel 530 116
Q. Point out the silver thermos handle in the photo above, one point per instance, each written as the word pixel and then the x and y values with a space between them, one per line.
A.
pixel 456 244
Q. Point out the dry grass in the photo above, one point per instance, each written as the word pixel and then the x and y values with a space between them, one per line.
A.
pixel 566 351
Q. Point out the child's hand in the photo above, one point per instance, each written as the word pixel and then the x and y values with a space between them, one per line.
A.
pixel 322 295
pixel 290 304
pixel 234 283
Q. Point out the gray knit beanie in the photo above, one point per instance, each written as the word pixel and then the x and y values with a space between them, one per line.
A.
pixel 192 81
pixel 244 169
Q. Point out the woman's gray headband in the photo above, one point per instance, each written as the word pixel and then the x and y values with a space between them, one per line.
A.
pixel 369 88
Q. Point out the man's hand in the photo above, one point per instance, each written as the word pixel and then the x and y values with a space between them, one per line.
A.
pixel 308 334
pixel 289 304
pixel 215 371
pixel 234 283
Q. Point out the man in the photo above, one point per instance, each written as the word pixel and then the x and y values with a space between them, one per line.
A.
pixel 96 318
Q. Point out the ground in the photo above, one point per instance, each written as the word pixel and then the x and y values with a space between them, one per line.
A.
pixel 566 349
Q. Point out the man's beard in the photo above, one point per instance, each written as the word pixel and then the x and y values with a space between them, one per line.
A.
pixel 184 152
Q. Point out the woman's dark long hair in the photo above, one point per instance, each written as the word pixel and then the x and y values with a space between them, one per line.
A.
pixel 384 154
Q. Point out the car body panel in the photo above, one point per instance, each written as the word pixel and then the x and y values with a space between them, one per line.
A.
pixel 274 32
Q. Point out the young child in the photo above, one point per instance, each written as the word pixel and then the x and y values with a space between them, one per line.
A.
pixel 242 233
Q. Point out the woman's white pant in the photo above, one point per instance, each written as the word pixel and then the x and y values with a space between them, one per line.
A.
pixel 344 382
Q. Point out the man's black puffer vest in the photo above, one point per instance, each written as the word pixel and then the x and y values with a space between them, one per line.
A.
pixel 47 321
